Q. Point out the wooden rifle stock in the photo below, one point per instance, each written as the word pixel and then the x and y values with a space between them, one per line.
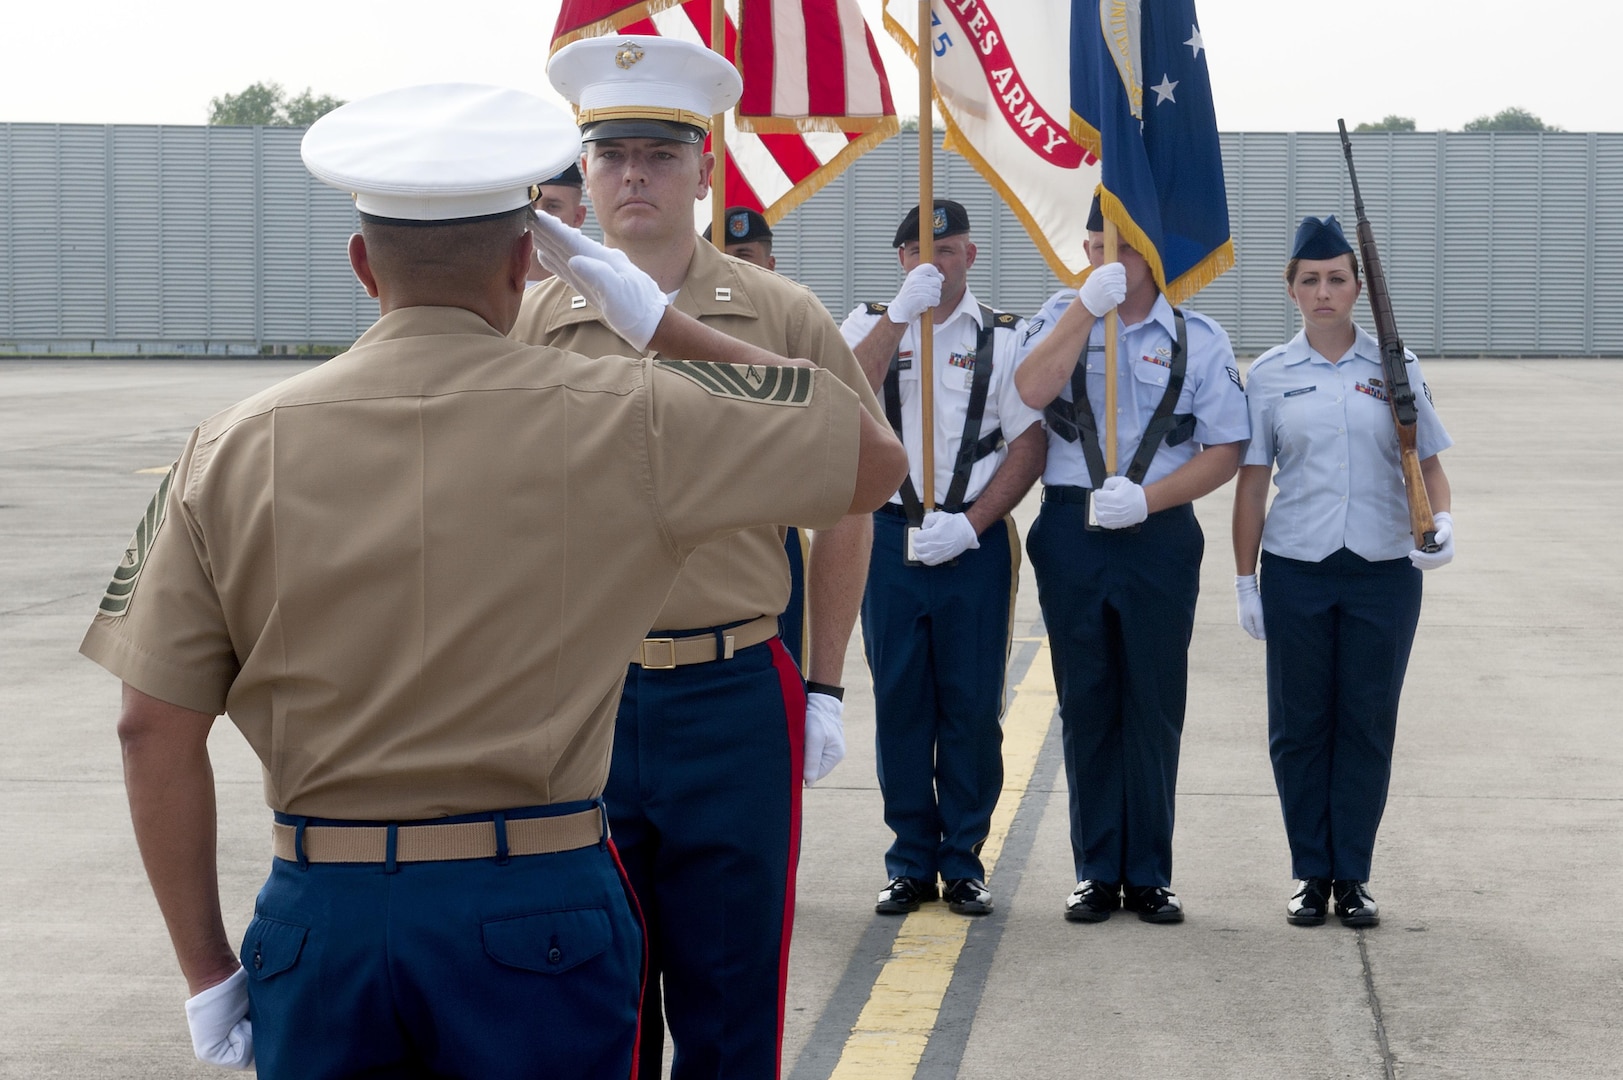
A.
pixel 1394 364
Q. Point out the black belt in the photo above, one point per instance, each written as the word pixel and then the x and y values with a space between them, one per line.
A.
pixel 900 511
pixel 1065 493
pixel 1071 495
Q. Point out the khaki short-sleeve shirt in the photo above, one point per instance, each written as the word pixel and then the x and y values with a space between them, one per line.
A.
pixel 745 575
pixel 413 574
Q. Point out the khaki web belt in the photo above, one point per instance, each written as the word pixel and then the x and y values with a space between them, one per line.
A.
pixel 439 843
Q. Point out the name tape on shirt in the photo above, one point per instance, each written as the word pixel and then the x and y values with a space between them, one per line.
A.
pixel 127 574
pixel 791 386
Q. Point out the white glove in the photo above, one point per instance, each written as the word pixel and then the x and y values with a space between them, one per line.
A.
pixel 1119 503
pixel 218 1018
pixel 1105 288
pixel 1443 523
pixel 1250 600
pixel 943 536
pixel 921 291
pixel 631 302
pixel 825 736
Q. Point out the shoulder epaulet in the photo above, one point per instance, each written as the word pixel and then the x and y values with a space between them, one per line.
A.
pixel 875 308
pixel 1005 320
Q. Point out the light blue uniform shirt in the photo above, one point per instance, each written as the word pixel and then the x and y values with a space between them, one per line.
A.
pixel 1329 427
pixel 1211 389
pixel 953 368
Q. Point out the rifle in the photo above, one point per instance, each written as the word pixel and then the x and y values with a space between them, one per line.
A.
pixel 1400 395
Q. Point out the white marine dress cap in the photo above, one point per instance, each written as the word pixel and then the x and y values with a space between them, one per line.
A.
pixel 636 86
pixel 441 152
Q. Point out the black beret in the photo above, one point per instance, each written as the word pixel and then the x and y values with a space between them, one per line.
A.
pixel 743 225
pixel 1320 238
pixel 950 219
pixel 570 177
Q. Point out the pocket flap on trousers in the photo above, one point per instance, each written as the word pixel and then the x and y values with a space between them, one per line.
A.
pixel 550 942
pixel 270 947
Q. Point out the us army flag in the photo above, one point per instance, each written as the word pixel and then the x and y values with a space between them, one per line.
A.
pixel 1002 86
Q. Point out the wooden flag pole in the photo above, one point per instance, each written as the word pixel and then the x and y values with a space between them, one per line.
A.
pixel 926 356
pixel 718 136
pixel 1111 243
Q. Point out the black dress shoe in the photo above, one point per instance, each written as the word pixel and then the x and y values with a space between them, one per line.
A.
pixel 968 896
pixel 1154 903
pixel 1092 901
pixel 1310 904
pixel 1355 906
pixel 904 894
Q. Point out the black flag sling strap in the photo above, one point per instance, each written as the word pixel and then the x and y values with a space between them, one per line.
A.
pixel 973 446
pixel 1073 420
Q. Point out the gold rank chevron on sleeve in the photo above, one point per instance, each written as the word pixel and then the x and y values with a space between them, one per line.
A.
pixel 790 386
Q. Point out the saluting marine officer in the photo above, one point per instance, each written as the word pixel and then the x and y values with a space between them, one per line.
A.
pixel 1118 585
pixel 749 237
pixel 1339 596
pixel 411 576
pixel 716 730
pixel 936 614
pixel 559 196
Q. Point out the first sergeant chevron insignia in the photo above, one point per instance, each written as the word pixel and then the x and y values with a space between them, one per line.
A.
pixel 790 386
pixel 127 574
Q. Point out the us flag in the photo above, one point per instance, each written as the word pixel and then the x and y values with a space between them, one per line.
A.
pixel 815 93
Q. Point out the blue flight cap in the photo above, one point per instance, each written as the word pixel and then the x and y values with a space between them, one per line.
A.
pixel 1096 215
pixel 1320 238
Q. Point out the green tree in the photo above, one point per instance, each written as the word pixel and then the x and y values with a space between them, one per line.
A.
pixel 268 104
pixel 1389 123
pixel 307 108
pixel 1511 119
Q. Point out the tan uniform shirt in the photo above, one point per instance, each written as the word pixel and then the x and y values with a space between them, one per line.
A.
pixel 413 574
pixel 745 575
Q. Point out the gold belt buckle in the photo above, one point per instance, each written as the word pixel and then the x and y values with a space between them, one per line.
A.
pixel 670 645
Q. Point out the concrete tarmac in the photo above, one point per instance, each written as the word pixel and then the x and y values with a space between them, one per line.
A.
pixel 1497 955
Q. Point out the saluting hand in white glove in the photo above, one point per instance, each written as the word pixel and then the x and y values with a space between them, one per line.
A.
pixel 218 1019
pixel 943 536
pixel 631 302
pixel 1443 524
pixel 1105 288
pixel 1119 503
pixel 825 735
pixel 920 291
pixel 1250 601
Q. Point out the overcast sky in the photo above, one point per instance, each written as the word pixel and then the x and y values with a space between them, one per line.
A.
pixel 1277 65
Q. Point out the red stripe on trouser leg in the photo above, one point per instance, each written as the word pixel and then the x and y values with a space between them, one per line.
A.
pixel 642 924
pixel 794 710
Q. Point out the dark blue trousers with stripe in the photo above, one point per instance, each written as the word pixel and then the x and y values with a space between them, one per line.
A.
pixel 1339 634
pixel 704 802
pixel 937 641
pixel 520 969
pixel 1120 610
pixel 792 622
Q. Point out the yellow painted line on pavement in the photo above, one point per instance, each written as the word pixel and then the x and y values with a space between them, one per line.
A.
pixel 889 1037
pixel 157 471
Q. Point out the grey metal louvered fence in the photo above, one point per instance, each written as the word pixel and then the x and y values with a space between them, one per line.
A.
pixel 125 239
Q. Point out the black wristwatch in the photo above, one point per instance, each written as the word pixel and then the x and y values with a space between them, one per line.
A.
pixel 835 692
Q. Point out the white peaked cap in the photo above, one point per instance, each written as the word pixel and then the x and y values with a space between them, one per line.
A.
pixel 441 152
pixel 621 80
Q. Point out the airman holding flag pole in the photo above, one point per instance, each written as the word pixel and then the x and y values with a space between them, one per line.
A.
pixel 1117 556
